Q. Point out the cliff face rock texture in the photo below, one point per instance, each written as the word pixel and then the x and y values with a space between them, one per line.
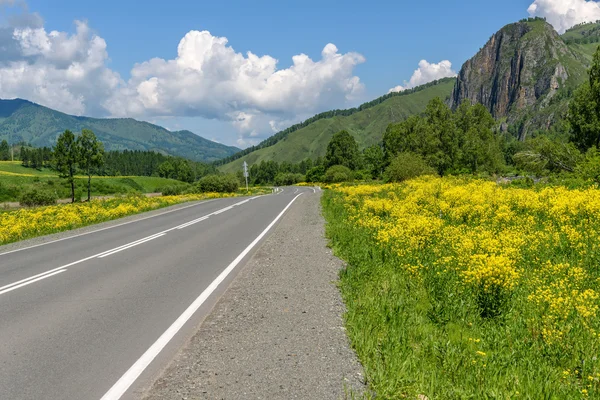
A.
pixel 520 69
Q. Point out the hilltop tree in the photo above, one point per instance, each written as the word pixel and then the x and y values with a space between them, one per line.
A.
pixel 66 154
pixel 342 150
pixel 584 110
pixel 91 155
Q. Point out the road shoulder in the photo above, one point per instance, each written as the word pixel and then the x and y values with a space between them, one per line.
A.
pixel 277 332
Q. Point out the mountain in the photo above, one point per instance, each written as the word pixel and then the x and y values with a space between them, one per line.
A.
pixel 366 123
pixel 21 120
pixel 524 75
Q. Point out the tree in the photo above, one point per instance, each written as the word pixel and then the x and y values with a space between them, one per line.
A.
pixel 66 154
pixel 342 150
pixel 91 155
pixel 374 160
pixel 4 151
pixel 584 110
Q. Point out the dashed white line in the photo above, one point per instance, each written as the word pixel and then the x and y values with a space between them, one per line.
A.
pixel 109 227
pixel 44 275
pixel 121 386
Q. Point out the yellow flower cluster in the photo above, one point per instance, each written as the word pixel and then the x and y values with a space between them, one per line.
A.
pixel 30 222
pixel 542 246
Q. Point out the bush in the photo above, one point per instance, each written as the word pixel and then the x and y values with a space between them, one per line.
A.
pixel 36 197
pixel 287 179
pixel 173 190
pixel 407 166
pixel 218 184
pixel 338 173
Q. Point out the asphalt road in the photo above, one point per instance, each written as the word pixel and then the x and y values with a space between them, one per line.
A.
pixel 97 316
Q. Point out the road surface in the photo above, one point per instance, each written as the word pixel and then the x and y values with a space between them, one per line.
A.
pixel 97 316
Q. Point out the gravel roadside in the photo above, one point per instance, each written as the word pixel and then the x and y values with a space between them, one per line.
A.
pixel 277 332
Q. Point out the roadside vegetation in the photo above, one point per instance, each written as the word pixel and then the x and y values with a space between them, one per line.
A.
pixel 461 288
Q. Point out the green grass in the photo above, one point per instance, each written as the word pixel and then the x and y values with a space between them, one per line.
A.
pixel 24 179
pixel 367 126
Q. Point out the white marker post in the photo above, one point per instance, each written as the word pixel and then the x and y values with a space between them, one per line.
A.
pixel 246 174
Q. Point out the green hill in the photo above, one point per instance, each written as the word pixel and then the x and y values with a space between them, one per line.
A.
pixel 366 123
pixel 21 120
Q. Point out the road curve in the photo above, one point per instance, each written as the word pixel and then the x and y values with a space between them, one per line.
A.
pixel 96 316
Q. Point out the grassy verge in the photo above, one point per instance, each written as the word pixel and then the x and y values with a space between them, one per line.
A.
pixel 461 289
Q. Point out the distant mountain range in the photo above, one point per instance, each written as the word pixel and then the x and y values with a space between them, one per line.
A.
pixel 525 75
pixel 21 120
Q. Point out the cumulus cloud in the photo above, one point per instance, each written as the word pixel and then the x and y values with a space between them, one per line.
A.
pixel 564 14
pixel 208 78
pixel 427 72
pixel 64 71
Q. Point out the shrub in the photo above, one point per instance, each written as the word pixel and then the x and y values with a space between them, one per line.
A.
pixel 218 184
pixel 407 166
pixel 173 190
pixel 338 173
pixel 36 197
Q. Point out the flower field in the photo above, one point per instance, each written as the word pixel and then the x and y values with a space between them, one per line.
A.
pixel 30 222
pixel 460 288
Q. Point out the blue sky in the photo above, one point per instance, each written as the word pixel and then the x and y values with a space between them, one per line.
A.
pixel 380 42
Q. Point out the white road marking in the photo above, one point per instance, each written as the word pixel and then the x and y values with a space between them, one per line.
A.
pixel 222 211
pixel 121 386
pixel 314 190
pixel 296 191
pixel 34 278
pixel 132 245
pixel 110 227
pixel 30 281
pixel 193 222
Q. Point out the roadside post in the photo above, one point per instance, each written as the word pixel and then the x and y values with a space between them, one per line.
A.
pixel 246 174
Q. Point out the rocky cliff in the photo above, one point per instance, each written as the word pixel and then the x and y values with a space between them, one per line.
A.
pixel 521 75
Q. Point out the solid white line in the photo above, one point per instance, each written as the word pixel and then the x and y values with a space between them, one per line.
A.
pixel 32 281
pixel 121 386
pixel 132 245
pixel 111 227
pixel 314 190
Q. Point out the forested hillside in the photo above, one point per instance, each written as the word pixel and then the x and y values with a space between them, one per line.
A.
pixel 23 121
pixel 366 124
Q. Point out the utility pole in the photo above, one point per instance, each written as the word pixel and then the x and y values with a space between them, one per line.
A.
pixel 246 174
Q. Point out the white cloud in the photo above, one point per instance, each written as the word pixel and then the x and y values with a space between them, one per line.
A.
pixel 427 72
pixel 208 78
pixel 564 14
pixel 62 71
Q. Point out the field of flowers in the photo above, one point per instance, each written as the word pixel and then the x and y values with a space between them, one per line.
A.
pixel 461 288
pixel 30 222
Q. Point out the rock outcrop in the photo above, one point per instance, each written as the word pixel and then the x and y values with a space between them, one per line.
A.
pixel 519 70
